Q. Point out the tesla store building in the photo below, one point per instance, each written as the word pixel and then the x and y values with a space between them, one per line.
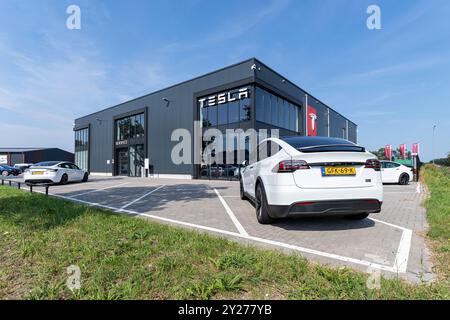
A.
pixel 136 135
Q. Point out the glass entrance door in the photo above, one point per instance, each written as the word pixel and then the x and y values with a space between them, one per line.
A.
pixel 136 160
pixel 122 162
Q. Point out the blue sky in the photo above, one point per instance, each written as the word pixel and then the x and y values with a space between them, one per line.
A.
pixel 394 82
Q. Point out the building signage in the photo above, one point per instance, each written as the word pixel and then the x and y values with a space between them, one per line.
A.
pixel 415 149
pixel 312 121
pixel 224 97
pixel 3 158
pixel 121 143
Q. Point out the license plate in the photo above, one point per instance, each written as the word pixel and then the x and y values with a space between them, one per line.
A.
pixel 37 172
pixel 338 171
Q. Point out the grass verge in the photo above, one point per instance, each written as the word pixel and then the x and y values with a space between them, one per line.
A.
pixel 437 180
pixel 122 257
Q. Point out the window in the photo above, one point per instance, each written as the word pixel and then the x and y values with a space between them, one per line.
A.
pixel 276 111
pixel 222 114
pixel 212 115
pixel 245 109
pixel 233 112
pixel 82 148
pixel 259 104
pixel 131 127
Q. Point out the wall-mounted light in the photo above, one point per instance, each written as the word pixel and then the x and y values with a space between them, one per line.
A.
pixel 167 102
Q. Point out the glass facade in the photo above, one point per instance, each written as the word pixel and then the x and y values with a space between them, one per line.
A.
pixel 82 148
pixel 130 139
pixel 235 110
pixel 130 127
pixel 276 111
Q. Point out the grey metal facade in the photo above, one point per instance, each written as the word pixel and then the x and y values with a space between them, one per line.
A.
pixel 177 107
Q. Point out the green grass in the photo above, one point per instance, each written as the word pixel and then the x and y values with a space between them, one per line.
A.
pixel 122 257
pixel 437 204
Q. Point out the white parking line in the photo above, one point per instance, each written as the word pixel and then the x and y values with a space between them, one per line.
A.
pixel 101 189
pixel 140 198
pixel 231 214
pixel 400 264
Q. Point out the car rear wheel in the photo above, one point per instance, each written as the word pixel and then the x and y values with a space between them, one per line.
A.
pixel 404 179
pixel 85 177
pixel 241 190
pixel 359 216
pixel 64 179
pixel 5 173
pixel 262 208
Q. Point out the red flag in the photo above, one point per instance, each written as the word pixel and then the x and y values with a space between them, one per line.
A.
pixel 387 150
pixel 415 149
pixel 402 151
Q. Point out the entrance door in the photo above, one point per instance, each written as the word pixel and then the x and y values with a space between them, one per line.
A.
pixel 122 162
pixel 136 160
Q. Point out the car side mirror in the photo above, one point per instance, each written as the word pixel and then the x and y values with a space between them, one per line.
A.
pixel 244 163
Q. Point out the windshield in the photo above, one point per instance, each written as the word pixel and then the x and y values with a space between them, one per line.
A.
pixel 321 144
pixel 46 164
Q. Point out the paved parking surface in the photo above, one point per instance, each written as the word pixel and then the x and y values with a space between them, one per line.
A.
pixel 389 241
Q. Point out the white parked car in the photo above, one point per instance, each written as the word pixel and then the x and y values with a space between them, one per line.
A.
pixel 54 172
pixel 300 176
pixel 393 172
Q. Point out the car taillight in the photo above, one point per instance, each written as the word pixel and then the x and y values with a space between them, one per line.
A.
pixel 374 164
pixel 292 165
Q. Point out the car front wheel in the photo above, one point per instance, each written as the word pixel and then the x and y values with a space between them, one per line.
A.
pixel 262 208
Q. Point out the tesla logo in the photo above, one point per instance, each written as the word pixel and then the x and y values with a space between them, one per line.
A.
pixel 312 119
pixel 225 97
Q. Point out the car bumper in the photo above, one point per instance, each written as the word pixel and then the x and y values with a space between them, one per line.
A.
pixel 42 178
pixel 286 200
pixel 326 208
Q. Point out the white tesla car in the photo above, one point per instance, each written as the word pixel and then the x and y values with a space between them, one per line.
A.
pixel 54 172
pixel 393 172
pixel 299 176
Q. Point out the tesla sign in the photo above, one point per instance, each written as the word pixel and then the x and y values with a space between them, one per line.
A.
pixel 224 97
pixel 312 121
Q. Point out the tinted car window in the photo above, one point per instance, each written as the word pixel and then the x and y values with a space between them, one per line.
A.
pixel 46 164
pixel 321 144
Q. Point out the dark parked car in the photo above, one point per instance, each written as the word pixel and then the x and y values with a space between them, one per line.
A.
pixel 8 170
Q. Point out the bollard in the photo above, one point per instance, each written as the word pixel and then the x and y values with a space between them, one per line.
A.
pixel 46 190
pixel 3 182
pixel 31 188
pixel 9 183
pixel 18 185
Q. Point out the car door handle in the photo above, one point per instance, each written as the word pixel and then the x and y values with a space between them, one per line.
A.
pixel 251 167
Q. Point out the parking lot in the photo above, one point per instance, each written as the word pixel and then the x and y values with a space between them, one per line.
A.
pixel 389 241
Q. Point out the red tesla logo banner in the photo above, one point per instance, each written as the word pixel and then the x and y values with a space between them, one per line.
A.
pixel 312 121
pixel 415 149
pixel 387 150
pixel 402 151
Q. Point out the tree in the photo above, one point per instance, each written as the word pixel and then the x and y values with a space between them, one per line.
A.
pixel 380 153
